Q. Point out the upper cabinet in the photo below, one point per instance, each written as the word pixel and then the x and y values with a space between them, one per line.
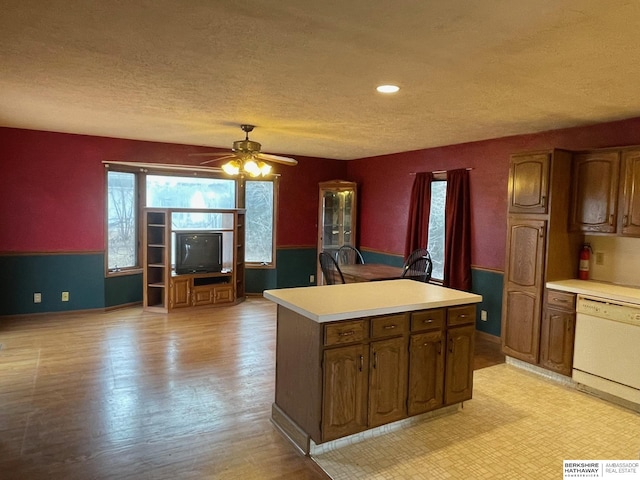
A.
pixel 630 198
pixel 605 197
pixel 595 192
pixel 529 183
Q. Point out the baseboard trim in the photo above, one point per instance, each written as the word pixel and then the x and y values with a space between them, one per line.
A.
pixel 488 337
pixel 290 430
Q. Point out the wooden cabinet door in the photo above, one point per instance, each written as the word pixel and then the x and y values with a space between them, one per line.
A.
pixel 426 372
pixel 388 381
pixel 223 294
pixel 459 364
pixel 202 295
pixel 630 207
pixel 180 292
pixel 556 340
pixel 525 243
pixel 529 183
pixel 595 192
pixel 523 288
pixel 344 398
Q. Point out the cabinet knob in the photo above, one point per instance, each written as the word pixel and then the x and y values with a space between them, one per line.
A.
pixel 389 327
pixel 625 221
pixel 611 219
pixel 346 334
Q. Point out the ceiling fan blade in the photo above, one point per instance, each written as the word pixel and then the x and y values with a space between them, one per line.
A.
pixel 227 157
pixel 210 154
pixel 276 159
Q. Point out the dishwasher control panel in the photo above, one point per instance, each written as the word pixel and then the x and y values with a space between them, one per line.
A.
pixel 609 309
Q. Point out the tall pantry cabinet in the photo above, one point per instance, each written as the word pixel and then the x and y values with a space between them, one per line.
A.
pixel 539 247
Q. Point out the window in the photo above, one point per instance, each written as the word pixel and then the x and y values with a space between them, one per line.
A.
pixel 436 227
pixel 259 201
pixel 173 191
pixel 169 191
pixel 122 234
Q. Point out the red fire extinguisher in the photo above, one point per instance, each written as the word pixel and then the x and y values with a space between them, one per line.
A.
pixel 585 257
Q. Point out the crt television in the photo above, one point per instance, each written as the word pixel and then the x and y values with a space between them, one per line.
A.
pixel 198 251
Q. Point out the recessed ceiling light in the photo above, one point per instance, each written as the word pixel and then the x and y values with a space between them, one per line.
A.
pixel 388 88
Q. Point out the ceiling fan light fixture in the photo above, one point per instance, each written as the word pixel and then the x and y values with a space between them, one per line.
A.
pixel 232 167
pixel 251 167
pixel 387 88
pixel 246 158
pixel 265 168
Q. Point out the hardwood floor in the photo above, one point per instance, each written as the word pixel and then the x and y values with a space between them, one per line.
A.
pixel 487 352
pixel 132 394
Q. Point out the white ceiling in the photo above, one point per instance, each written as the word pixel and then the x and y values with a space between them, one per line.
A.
pixel 305 71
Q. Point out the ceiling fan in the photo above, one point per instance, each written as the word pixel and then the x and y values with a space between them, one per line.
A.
pixel 247 157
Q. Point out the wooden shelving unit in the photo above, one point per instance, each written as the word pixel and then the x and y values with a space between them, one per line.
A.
pixel 163 289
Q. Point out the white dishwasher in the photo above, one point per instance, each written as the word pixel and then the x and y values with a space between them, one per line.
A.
pixel 607 347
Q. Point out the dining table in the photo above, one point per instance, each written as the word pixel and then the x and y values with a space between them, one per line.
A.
pixel 366 272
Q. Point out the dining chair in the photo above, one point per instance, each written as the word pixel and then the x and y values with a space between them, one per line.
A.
pixel 348 255
pixel 417 253
pixel 330 269
pixel 419 269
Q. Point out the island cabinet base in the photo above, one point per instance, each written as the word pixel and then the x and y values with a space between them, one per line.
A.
pixel 301 440
pixel 339 378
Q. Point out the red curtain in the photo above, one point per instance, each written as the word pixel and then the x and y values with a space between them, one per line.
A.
pixel 457 237
pixel 419 208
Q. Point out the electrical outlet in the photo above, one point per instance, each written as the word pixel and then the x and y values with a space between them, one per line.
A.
pixel 312 278
pixel 65 296
pixel 483 315
pixel 37 298
pixel 599 258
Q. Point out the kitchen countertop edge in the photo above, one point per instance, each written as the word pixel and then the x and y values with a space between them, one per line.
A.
pixel 605 290
pixel 456 298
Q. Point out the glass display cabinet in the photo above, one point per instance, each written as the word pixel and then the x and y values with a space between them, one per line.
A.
pixel 336 217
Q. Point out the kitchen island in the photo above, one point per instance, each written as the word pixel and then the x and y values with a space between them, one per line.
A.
pixel 353 357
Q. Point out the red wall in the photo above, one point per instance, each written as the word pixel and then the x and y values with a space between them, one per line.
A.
pixel 298 199
pixel 52 193
pixel 53 190
pixel 385 184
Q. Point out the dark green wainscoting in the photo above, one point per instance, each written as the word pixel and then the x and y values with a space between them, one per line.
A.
pixel 82 275
pixel 294 266
pixel 123 290
pixel 488 284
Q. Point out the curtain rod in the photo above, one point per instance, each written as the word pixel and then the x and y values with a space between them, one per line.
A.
pixel 442 171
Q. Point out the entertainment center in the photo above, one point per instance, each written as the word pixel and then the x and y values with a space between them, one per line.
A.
pixel 192 257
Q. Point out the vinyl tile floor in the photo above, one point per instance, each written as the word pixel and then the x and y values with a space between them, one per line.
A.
pixel 517 426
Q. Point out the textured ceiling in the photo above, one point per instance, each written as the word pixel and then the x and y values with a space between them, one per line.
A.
pixel 305 71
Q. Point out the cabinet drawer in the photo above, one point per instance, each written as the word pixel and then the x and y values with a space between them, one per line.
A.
pixel 562 300
pixel 389 325
pixel 428 319
pixel 461 315
pixel 345 332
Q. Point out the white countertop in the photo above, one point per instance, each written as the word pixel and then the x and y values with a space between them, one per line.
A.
pixel 328 303
pixel 609 291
